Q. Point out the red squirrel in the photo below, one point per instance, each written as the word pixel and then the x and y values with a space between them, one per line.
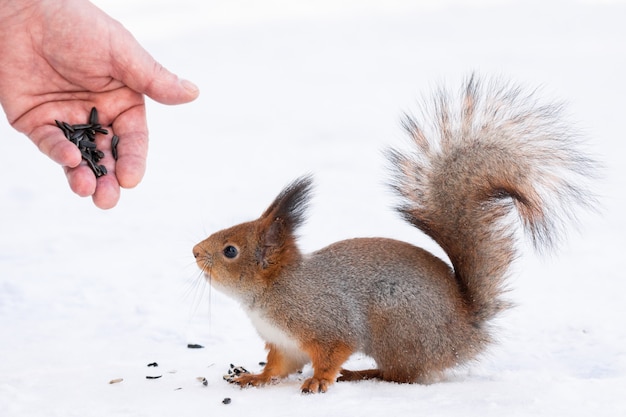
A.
pixel 488 152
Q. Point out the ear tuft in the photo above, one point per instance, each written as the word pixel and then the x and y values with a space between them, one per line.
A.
pixel 290 206
pixel 277 245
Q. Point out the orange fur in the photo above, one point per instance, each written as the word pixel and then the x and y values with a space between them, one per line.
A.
pixel 326 361
pixel 277 366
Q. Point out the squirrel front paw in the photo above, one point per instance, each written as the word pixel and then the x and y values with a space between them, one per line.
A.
pixel 240 376
pixel 315 385
pixel 234 372
pixel 251 380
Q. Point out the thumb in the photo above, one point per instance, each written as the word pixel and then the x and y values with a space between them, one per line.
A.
pixel 136 68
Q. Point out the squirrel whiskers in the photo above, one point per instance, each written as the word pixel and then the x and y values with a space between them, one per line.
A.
pixel 488 153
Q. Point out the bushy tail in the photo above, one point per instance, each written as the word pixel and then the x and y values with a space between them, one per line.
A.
pixel 488 150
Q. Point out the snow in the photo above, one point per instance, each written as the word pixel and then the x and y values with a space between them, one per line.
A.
pixel 288 88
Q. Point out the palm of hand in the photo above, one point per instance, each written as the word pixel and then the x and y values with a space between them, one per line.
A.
pixel 62 61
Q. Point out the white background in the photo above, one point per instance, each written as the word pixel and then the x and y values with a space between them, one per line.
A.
pixel 289 88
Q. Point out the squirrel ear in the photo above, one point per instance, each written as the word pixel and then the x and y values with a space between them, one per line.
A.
pixel 275 234
pixel 282 218
pixel 272 241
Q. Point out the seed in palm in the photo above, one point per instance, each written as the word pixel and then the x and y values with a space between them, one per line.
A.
pixel 83 135
pixel 114 143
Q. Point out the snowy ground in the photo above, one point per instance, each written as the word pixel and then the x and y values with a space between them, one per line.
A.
pixel 87 296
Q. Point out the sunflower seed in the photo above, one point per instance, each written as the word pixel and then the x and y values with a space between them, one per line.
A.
pixel 83 135
pixel 93 116
pixel 82 126
pixel 61 126
pixel 94 167
pixel 234 372
pixel 114 141
pixel 68 127
pixel 77 135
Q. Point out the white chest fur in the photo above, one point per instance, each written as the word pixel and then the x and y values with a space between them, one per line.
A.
pixel 276 336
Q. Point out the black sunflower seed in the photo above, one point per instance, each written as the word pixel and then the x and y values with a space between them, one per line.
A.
pixel 114 141
pixel 97 169
pixel 83 135
pixel 68 127
pixel 93 116
pixel 61 126
pixel 82 126
pixel 77 135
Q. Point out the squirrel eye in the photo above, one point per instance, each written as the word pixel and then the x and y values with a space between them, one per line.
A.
pixel 230 252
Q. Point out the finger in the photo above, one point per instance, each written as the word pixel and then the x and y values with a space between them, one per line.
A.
pixel 52 142
pixel 39 125
pixel 136 68
pixel 107 192
pixel 104 190
pixel 81 179
pixel 132 150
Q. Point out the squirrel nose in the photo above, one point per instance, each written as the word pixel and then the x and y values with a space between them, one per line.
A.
pixel 196 251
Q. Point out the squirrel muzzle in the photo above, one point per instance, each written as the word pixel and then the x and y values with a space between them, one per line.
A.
pixel 204 259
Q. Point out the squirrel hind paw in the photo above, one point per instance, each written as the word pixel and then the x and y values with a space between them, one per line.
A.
pixel 346 375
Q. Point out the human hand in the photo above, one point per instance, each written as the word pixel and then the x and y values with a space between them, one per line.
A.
pixel 60 58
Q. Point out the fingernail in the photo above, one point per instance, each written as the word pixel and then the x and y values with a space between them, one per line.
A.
pixel 190 87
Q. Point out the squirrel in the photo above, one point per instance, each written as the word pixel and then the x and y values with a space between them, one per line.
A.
pixel 488 152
